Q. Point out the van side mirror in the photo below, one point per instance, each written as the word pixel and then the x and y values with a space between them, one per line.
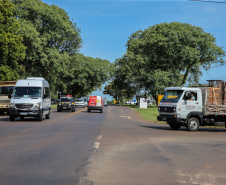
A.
pixel 44 96
pixel 10 96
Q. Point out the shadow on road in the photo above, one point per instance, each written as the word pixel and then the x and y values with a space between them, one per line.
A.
pixel 201 129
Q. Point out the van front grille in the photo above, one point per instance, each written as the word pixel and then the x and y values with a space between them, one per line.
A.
pixel 24 106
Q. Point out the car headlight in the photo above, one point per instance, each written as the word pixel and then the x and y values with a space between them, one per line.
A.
pixel 37 105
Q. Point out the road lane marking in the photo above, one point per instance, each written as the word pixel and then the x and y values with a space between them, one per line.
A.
pixel 75 112
pixel 125 117
pixel 96 146
pixel 99 137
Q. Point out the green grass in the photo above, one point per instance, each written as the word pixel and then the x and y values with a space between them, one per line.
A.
pixel 149 114
pixel 54 106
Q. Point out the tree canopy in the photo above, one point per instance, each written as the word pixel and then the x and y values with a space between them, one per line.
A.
pixel 167 54
pixel 12 49
pixel 40 40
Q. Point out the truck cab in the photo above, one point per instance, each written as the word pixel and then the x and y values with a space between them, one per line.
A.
pixel 179 105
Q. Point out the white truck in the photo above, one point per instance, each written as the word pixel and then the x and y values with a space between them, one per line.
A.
pixel 194 107
pixel 6 88
pixel 31 98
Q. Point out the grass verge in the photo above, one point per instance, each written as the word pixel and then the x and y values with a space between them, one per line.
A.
pixel 149 114
pixel 54 106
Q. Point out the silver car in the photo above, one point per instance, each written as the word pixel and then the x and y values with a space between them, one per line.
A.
pixel 105 103
pixel 79 103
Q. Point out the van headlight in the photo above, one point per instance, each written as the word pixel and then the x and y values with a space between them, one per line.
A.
pixel 12 106
pixel 36 105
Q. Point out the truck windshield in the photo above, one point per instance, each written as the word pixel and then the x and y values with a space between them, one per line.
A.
pixel 6 90
pixel 27 92
pixel 172 96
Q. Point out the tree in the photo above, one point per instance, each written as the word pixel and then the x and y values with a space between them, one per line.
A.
pixel 51 38
pixel 85 74
pixel 11 48
pixel 167 54
pixel 178 47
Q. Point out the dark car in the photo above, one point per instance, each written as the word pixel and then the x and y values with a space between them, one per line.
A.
pixel 66 103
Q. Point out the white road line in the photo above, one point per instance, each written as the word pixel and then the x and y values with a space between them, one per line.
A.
pixel 96 146
pixel 99 137
pixel 125 117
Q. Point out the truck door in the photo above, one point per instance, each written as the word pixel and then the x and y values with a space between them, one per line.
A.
pixel 191 104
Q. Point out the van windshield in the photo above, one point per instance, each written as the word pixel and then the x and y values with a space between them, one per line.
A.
pixel 172 96
pixel 27 92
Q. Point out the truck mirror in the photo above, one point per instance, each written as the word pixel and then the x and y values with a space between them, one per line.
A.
pixel 10 96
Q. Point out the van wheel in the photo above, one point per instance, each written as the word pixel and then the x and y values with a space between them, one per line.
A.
pixel 40 117
pixel 193 124
pixel 48 115
pixel 58 110
pixel 11 118
pixel 174 126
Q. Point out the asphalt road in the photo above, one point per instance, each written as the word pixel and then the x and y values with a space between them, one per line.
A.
pixel 48 152
pixel 116 147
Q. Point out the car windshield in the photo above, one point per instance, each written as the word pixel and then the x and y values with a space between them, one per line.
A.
pixel 65 99
pixel 172 96
pixel 79 100
pixel 27 92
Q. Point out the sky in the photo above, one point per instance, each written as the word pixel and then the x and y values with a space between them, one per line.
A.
pixel 106 25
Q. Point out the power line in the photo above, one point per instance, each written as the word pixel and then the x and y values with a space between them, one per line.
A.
pixel 223 1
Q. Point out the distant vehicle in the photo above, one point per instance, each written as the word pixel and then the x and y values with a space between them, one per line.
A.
pixel 105 103
pixel 95 103
pixel 80 102
pixel 85 100
pixel 6 88
pixel 66 103
pixel 31 98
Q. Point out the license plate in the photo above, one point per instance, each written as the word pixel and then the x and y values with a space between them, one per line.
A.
pixel 23 113
pixel 164 119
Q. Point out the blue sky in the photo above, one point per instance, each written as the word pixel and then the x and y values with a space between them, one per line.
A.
pixel 106 25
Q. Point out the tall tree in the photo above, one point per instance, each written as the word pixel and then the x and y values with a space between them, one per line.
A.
pixel 175 46
pixel 12 49
pixel 50 38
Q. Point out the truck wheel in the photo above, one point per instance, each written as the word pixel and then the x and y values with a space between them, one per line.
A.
pixel 22 117
pixel 11 118
pixel 40 117
pixel 193 124
pixel 88 110
pixel 174 126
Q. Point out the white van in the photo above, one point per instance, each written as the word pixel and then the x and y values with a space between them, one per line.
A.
pixel 31 98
